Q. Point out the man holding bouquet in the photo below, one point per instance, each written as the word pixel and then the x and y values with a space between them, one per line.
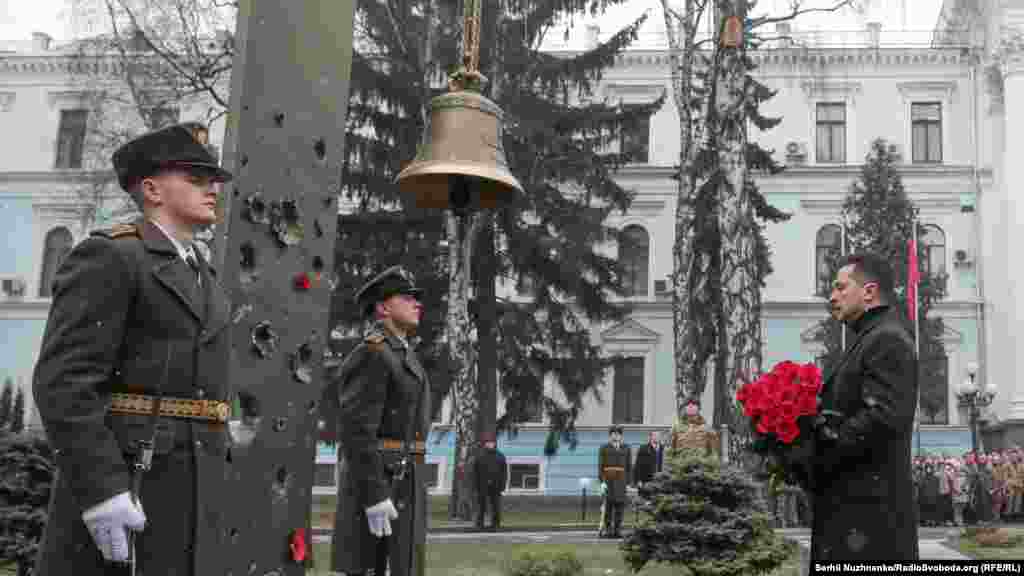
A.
pixel 863 489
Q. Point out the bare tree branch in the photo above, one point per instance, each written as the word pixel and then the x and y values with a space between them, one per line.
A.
pixel 796 10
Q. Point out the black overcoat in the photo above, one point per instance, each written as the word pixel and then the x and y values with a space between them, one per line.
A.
pixel 121 299
pixel 646 463
pixel 490 471
pixel 380 399
pixel 863 498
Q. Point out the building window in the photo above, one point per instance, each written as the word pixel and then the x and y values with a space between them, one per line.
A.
pixel 55 248
pixel 933 240
pixel 934 390
pixel 324 475
pixel 926 132
pixel 634 255
pixel 828 248
pixel 524 476
pixel 628 402
pixel 635 140
pixel 71 138
pixel 831 137
pixel 160 117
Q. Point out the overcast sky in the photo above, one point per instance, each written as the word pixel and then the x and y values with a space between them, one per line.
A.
pixel 19 18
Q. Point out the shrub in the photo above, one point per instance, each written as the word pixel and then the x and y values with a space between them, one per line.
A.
pixel 562 563
pixel 997 538
pixel 27 473
pixel 707 517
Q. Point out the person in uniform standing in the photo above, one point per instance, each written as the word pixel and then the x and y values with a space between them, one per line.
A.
pixel 614 472
pixel 648 460
pixel 383 418
pixel 491 474
pixel 138 314
pixel 862 458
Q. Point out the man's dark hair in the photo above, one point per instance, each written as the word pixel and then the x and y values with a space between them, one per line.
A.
pixel 871 268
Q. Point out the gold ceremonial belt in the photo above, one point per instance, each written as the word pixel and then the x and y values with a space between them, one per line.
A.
pixel 390 445
pixel 615 469
pixel 172 407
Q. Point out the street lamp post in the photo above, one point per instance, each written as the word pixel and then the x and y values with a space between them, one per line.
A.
pixel 584 482
pixel 973 398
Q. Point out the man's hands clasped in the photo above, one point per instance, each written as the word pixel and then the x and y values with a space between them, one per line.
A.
pixel 109 522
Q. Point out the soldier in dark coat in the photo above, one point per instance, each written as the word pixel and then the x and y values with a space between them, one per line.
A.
pixel 863 494
pixel 648 460
pixel 383 419
pixel 491 473
pixel 138 313
pixel 613 468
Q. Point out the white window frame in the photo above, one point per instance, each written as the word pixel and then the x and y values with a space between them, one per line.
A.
pixel 825 91
pixel 49 211
pixel 541 474
pixel 648 227
pixel 938 91
pixel 645 347
pixel 443 486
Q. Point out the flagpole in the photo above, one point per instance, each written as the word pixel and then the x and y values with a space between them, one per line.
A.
pixel 917 337
pixel 842 248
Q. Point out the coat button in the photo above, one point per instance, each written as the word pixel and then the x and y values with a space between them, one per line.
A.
pixel 199 444
pixel 200 393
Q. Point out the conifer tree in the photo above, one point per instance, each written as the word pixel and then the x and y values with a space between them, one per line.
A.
pixel 6 404
pixel 27 471
pixel 18 412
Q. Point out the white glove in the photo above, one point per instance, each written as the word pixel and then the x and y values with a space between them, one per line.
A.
pixel 604 488
pixel 379 517
pixel 108 523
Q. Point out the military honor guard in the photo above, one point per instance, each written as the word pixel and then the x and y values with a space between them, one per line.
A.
pixel 613 469
pixel 649 459
pixel 131 378
pixel 383 418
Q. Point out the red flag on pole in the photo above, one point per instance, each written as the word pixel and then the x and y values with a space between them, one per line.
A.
pixel 913 278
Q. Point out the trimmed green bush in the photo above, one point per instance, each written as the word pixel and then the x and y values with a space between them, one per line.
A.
pixel 706 517
pixel 535 564
pixel 27 473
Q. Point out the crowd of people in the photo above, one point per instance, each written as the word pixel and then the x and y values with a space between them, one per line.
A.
pixel 949 490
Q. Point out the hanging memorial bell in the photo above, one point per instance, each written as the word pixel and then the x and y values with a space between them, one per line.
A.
pixel 461 162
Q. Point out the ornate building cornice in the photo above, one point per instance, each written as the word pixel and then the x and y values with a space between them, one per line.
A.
pixel 818 57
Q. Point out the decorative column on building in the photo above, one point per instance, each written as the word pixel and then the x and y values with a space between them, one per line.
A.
pixel 1011 201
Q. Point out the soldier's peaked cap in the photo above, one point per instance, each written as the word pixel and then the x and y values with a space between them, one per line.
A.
pixel 178 146
pixel 394 280
pixel 615 428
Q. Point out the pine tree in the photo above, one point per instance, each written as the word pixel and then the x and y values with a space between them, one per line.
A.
pixel 27 472
pixel 6 405
pixel 18 412
pixel 880 218
pixel 706 517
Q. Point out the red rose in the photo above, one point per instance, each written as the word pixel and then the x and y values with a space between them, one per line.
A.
pixel 789 410
pixel 766 425
pixel 807 405
pixel 787 431
pixel 810 377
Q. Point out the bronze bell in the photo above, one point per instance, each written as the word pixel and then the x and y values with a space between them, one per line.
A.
pixel 461 162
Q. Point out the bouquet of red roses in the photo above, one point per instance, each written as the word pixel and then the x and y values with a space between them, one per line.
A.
pixel 782 406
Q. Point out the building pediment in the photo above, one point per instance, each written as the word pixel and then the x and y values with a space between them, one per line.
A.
pixel 630 330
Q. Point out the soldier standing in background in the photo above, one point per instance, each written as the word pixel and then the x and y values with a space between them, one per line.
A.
pixel 383 417
pixel 648 460
pixel 614 471
pixel 491 473
pixel 138 322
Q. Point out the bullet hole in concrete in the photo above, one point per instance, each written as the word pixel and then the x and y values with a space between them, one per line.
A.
pixel 280 424
pixel 236 192
pixel 320 149
pixel 328 199
pixel 252 567
pixel 282 482
pixel 317 228
pixel 318 264
pixel 247 271
pixel 240 313
pixel 233 535
pixel 279 119
pixel 287 222
pixel 264 339
pixel 302 361
pixel 245 160
pixel 245 108
pixel 311 407
pixel 256 210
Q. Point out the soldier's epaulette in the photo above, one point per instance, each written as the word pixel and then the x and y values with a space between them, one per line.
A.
pixel 118 231
pixel 375 341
